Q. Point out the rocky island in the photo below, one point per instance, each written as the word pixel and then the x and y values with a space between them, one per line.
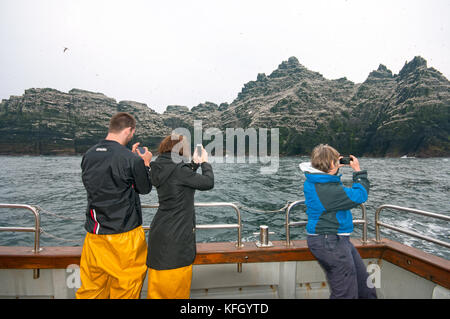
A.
pixel 386 115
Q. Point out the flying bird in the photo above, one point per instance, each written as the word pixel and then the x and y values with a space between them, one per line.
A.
pixel 65 49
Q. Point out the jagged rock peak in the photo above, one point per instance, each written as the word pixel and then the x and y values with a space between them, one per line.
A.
pixel 383 68
pixel 124 105
pixel 223 106
pixel 132 103
pixel 289 68
pixel 80 91
pixel 381 72
pixel 176 109
pixel 261 77
pixel 292 62
pixel 40 90
pixel 205 107
pixel 417 63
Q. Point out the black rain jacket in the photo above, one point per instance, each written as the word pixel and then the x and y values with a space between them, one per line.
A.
pixel 113 177
pixel 171 241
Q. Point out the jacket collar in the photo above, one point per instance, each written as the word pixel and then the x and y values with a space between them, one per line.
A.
pixel 169 156
pixel 314 175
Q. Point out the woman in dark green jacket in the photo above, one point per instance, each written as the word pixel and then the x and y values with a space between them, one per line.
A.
pixel 171 241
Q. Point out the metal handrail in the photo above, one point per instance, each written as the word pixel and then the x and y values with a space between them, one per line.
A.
pixel 378 223
pixel 37 224
pixel 288 223
pixel 215 226
pixel 36 229
pixel 238 226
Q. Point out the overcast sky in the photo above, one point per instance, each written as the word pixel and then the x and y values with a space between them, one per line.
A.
pixel 188 52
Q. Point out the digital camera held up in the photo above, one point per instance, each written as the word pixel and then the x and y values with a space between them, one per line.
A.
pixel 345 160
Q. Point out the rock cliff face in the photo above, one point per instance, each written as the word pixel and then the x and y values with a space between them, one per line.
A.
pixel 386 115
pixel 302 103
pixel 412 113
pixel 47 121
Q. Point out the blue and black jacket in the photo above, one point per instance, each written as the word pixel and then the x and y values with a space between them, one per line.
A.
pixel 328 202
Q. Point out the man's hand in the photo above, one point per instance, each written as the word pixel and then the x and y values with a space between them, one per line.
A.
pixel 134 147
pixel 147 156
pixel 354 163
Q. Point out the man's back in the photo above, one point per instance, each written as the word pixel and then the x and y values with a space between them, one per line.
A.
pixel 112 263
pixel 113 177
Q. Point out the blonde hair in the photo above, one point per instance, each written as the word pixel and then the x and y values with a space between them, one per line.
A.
pixel 322 156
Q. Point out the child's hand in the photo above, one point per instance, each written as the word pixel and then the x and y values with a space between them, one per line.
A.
pixel 354 163
pixel 339 165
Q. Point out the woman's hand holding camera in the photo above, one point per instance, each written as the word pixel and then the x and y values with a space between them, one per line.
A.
pixel 198 159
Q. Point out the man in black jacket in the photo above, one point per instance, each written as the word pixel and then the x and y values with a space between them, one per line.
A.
pixel 113 260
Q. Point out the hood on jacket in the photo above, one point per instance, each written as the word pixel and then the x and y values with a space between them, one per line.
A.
pixel 162 168
pixel 314 175
pixel 307 168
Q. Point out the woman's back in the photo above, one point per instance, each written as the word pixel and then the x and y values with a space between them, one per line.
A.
pixel 172 232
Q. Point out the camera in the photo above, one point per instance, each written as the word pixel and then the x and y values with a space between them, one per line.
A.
pixel 345 160
pixel 199 149
pixel 141 150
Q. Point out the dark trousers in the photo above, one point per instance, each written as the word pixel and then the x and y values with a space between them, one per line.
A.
pixel 343 266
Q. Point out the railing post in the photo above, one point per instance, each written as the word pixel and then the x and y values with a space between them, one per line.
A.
pixel 37 238
pixel 36 229
pixel 364 217
pixel 377 226
pixel 288 223
pixel 287 226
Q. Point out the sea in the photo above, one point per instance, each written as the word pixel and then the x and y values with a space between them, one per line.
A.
pixel 54 184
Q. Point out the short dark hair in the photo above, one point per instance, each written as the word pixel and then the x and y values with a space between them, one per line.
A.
pixel 121 121
pixel 168 143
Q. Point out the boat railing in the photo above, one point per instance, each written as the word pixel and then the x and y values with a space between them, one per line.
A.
pixel 288 223
pixel 238 225
pixel 37 224
pixel 379 224
pixel 36 229
pixel 363 221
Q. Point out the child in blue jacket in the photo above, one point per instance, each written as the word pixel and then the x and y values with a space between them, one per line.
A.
pixel 330 221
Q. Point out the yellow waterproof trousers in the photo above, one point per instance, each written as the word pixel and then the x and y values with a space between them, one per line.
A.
pixel 113 266
pixel 169 284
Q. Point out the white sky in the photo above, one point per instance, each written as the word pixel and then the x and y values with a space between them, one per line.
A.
pixel 188 52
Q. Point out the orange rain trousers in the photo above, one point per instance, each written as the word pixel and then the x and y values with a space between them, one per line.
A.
pixel 113 266
pixel 169 284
